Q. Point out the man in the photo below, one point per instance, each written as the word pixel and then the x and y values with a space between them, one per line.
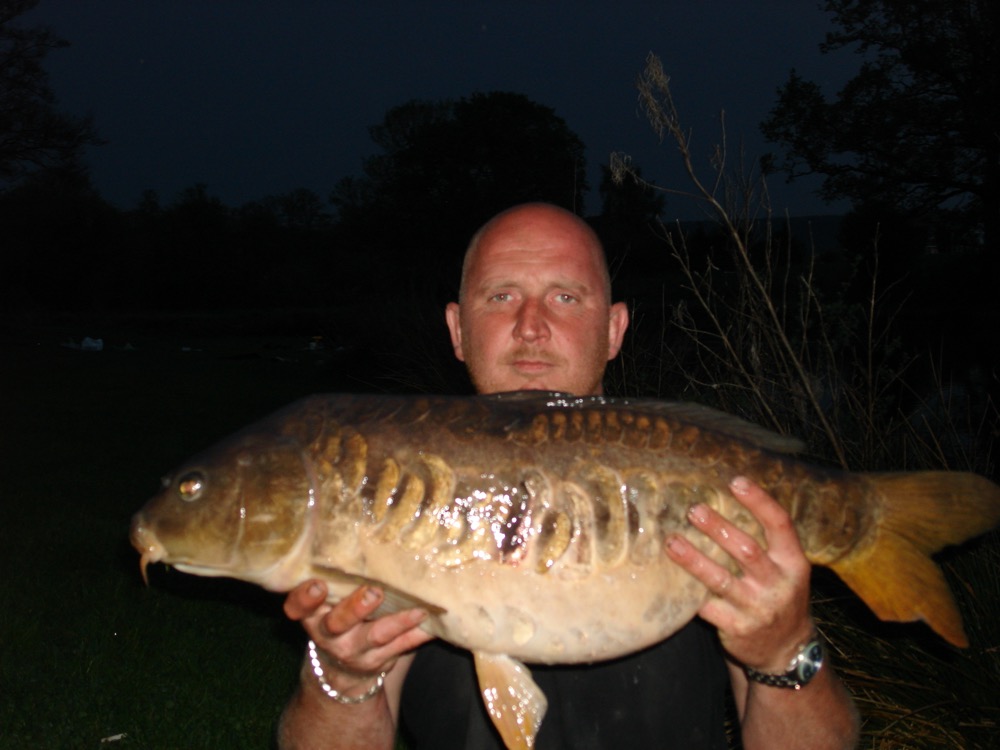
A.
pixel 535 312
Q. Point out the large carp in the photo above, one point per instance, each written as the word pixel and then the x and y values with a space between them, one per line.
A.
pixel 514 520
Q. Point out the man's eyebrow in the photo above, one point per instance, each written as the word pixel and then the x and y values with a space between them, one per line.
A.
pixel 496 281
pixel 573 284
pixel 504 281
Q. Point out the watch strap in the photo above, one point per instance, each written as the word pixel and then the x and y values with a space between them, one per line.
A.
pixel 806 664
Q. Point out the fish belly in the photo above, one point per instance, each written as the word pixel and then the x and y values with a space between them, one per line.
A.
pixel 602 590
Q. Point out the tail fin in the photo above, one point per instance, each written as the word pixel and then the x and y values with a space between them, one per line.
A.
pixel 921 513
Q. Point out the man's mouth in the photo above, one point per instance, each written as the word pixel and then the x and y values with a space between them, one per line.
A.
pixel 531 365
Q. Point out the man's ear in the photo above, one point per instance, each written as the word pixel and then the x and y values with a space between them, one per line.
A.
pixel 617 325
pixel 451 317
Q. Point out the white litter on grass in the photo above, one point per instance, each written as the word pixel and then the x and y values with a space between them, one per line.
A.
pixel 88 344
pixel 113 738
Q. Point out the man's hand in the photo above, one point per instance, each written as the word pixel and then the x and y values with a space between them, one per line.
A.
pixel 762 613
pixel 354 646
pixel 354 649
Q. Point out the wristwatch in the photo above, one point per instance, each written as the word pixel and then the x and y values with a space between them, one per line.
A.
pixel 801 670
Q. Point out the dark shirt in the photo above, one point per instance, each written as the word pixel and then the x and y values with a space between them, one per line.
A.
pixel 671 695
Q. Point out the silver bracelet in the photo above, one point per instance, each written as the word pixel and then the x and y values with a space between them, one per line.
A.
pixel 335 694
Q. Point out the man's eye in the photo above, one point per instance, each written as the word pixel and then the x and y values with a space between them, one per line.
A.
pixel 500 297
pixel 565 298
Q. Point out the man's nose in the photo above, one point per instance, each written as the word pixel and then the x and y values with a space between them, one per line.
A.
pixel 531 322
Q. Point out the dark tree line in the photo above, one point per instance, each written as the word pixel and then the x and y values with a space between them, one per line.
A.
pixel 908 141
pixel 442 169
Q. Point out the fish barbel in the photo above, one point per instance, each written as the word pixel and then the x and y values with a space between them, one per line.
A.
pixel 514 520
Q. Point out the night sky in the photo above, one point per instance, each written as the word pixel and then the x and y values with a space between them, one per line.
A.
pixel 257 97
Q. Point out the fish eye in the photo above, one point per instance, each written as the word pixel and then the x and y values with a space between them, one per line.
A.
pixel 190 486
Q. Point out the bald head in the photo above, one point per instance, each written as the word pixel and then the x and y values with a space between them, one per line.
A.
pixel 526 219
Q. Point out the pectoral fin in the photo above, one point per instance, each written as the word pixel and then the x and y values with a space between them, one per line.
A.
pixel 513 700
pixel 340 583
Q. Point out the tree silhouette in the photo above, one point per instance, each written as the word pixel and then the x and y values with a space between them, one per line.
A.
pixel 60 241
pixel 299 209
pixel 33 134
pixel 631 200
pixel 916 128
pixel 445 167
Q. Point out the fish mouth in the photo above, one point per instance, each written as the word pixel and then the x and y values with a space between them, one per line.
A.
pixel 146 543
pixel 153 551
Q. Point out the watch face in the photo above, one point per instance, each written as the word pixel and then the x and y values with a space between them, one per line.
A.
pixel 810 661
pixel 803 668
pixel 806 671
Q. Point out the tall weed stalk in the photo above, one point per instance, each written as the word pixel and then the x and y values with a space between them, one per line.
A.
pixel 755 331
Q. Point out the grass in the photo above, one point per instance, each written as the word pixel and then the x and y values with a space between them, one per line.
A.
pixel 88 652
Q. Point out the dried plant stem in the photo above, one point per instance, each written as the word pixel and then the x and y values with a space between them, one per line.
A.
pixel 658 103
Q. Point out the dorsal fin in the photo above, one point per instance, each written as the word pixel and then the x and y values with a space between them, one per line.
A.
pixel 707 418
pixel 696 415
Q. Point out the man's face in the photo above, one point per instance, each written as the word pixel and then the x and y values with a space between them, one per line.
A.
pixel 534 313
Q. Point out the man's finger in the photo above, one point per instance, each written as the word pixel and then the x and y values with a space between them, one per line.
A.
pixel 304 599
pixel 716 578
pixel 779 530
pixel 738 544
pixel 387 629
pixel 348 612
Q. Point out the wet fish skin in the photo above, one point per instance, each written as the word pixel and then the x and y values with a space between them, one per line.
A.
pixel 531 525
pixel 394 491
